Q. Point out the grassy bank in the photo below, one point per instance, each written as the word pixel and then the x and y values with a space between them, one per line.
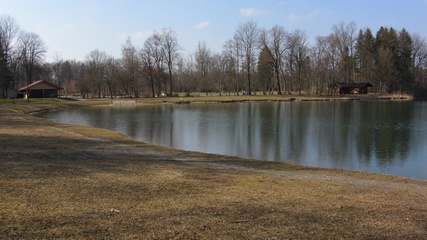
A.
pixel 75 182
pixel 32 105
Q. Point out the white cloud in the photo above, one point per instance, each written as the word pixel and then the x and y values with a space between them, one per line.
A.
pixel 250 11
pixel 123 36
pixel 40 27
pixel 296 18
pixel 69 26
pixel 202 25
pixel 140 35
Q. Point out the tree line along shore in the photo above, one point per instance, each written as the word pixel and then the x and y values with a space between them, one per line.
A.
pixel 271 61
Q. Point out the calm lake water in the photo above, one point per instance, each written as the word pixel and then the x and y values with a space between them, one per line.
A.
pixel 376 136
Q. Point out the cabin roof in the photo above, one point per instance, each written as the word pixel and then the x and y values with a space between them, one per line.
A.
pixel 41 84
pixel 352 85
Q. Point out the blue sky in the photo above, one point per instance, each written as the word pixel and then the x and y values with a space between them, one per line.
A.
pixel 73 28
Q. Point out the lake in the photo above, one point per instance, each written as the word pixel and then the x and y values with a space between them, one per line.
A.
pixel 373 136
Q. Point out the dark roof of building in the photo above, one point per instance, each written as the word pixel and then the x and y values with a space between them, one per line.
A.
pixel 32 85
pixel 352 85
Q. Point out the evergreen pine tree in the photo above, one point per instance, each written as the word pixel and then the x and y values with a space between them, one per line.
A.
pixel 404 62
pixel 365 56
pixel 265 70
pixel 386 59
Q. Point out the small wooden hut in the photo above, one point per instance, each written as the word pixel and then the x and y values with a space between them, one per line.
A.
pixel 351 88
pixel 41 89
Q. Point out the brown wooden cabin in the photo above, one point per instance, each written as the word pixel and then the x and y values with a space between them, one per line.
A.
pixel 351 88
pixel 41 89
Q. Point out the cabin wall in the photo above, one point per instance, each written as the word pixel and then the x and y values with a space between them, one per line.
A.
pixel 42 93
pixel 349 90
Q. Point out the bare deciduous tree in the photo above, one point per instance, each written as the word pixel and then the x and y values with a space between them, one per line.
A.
pixel 345 37
pixel 9 31
pixel 298 51
pixel 232 51
pixel 419 57
pixel 131 63
pixel 170 48
pixel 320 65
pixel 419 51
pixel 202 58
pixel 32 50
pixel 274 41
pixel 248 35
pixel 152 61
pixel 111 69
pixel 95 67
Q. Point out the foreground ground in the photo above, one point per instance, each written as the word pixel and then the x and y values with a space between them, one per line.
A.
pixel 63 181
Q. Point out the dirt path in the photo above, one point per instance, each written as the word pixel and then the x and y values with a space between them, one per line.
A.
pixel 64 181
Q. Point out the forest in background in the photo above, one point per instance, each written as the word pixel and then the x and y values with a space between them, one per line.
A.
pixel 252 61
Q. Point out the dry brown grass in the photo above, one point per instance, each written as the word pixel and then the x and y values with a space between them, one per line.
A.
pixel 73 182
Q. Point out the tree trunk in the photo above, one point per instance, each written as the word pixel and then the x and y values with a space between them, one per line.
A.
pixel 249 81
pixel 279 86
pixel 109 89
pixel 170 82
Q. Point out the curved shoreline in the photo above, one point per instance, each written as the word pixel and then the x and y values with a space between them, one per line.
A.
pixel 321 164
pixel 67 181
pixel 219 99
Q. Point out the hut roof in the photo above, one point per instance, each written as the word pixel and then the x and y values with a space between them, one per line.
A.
pixel 41 84
pixel 352 85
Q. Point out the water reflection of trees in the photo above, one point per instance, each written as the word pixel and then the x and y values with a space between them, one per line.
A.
pixel 338 134
pixel 386 132
pixel 350 135
pixel 330 134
